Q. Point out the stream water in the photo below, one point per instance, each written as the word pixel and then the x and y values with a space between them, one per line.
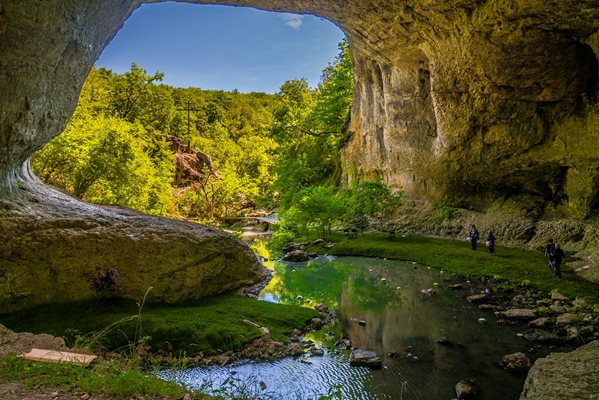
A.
pixel 402 325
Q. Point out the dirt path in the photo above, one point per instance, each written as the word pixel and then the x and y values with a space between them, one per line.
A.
pixel 17 391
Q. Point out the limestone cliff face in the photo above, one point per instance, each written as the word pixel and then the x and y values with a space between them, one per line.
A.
pixel 487 102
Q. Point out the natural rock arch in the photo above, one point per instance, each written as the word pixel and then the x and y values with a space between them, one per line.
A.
pixel 475 100
pixel 451 98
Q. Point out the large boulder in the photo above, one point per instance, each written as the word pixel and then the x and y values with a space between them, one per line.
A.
pixel 565 376
pixel 58 245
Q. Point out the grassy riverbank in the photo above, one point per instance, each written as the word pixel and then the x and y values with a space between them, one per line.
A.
pixel 455 256
pixel 111 379
pixel 213 325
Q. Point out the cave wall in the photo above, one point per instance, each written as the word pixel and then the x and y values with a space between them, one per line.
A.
pixel 513 92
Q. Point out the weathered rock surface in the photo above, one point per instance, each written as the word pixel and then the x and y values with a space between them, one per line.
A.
pixel 567 319
pixel 477 298
pixel 293 246
pixel 518 314
pixel 565 376
pixel 466 389
pixel 365 358
pixel 542 336
pixel 515 362
pixel 558 297
pixel 296 256
pixel 56 246
pixel 23 342
pixel 543 322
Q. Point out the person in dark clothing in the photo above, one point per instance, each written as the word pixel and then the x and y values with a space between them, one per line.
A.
pixel 473 237
pixel 558 257
pixel 549 254
pixel 490 243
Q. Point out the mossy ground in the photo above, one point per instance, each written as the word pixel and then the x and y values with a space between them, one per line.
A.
pixel 211 326
pixel 455 256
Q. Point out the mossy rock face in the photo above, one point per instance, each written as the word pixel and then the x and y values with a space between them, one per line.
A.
pixel 57 247
pixel 564 376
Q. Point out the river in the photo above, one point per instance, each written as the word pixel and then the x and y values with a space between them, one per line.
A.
pixel 401 324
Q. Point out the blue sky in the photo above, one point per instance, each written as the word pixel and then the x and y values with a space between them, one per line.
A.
pixel 223 47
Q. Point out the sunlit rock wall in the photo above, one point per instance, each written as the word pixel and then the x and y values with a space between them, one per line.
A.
pixel 492 104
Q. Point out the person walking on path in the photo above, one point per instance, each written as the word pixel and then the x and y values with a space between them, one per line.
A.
pixel 490 243
pixel 558 256
pixel 473 237
pixel 549 254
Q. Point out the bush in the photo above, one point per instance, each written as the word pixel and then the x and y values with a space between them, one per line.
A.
pixel 443 210
pixel 370 199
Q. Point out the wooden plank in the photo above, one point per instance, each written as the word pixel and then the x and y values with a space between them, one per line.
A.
pixel 58 356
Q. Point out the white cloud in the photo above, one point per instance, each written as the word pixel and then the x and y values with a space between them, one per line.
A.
pixel 294 21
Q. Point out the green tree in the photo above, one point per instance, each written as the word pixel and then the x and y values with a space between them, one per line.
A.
pixel 369 199
pixel 132 92
pixel 316 207
pixel 310 126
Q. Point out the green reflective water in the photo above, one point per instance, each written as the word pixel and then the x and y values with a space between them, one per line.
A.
pixel 401 324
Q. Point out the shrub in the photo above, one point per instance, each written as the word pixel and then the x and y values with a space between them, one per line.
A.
pixel 443 210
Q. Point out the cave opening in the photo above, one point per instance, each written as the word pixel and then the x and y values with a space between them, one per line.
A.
pixel 224 76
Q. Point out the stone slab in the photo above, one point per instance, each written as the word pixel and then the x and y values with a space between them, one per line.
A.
pixel 58 356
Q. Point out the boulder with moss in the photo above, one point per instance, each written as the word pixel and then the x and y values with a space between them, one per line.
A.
pixel 565 376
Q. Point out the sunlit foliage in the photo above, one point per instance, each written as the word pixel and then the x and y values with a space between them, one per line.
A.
pixel 267 150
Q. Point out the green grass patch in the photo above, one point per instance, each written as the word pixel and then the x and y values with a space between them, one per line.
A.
pixel 211 326
pixel 121 378
pixel 516 265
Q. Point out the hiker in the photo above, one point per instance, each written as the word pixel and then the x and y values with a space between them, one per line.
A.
pixel 490 243
pixel 473 237
pixel 549 254
pixel 558 256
